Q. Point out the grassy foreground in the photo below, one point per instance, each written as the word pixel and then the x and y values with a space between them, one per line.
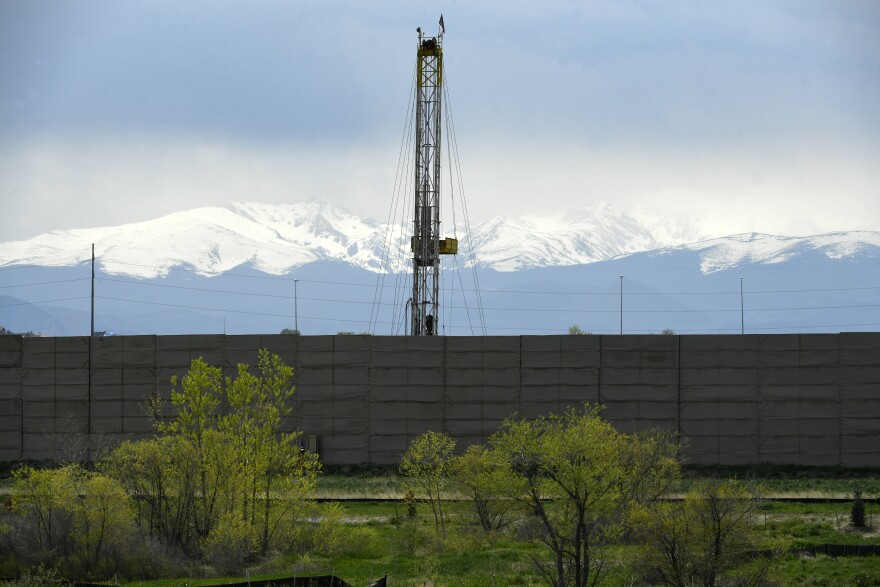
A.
pixel 378 539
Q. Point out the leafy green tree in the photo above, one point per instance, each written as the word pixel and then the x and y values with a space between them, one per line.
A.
pixel 576 330
pixel 428 461
pixel 479 473
pixel 578 476
pixel 710 532
pixel 41 498
pixel 277 473
pixel 224 454
pixel 74 514
pixel 198 400
pixel 161 475
pixel 103 518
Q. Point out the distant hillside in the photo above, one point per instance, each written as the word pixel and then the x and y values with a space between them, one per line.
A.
pixel 232 269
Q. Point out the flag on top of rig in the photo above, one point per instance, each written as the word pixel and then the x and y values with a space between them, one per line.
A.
pixel 442 26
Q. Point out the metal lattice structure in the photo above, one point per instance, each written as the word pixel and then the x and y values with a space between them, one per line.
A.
pixel 427 246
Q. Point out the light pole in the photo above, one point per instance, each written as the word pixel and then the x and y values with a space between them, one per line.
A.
pixel 295 308
pixel 621 304
pixel 742 311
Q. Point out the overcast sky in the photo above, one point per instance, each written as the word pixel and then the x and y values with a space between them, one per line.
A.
pixel 741 116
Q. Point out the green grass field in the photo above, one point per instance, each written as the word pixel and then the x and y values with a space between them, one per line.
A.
pixel 378 539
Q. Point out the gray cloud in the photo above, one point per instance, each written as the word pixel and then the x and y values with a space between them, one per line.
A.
pixel 117 111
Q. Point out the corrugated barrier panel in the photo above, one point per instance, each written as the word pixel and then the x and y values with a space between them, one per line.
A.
pixel 800 399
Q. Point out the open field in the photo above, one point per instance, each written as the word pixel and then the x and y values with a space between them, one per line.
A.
pixel 773 482
pixel 377 538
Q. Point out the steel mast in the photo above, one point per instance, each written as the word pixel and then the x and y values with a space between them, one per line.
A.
pixel 426 244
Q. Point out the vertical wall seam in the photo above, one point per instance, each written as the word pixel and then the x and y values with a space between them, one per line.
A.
pixel 520 379
pixel 839 338
pixel 678 397
pixel 599 374
pixel 369 340
pixel 758 382
pixel 21 399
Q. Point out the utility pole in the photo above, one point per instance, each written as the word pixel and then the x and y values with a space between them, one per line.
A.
pixel 742 311
pixel 621 304
pixel 91 351
pixel 426 244
pixel 92 329
pixel 295 308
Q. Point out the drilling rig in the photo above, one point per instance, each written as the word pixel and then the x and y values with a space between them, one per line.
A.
pixel 426 244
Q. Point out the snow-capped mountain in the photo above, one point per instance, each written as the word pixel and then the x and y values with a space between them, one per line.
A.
pixel 275 238
pixel 571 237
pixel 720 254
pixel 537 275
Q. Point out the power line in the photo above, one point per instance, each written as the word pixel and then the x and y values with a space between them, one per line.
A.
pixel 502 309
pixel 223 291
pixel 195 307
pixel 44 282
pixel 45 301
pixel 510 291
pixel 231 311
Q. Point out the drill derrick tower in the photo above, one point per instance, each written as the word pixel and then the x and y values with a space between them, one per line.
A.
pixel 427 246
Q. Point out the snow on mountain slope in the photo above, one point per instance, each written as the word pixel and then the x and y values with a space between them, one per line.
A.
pixel 719 254
pixel 275 238
pixel 571 237
pixel 670 226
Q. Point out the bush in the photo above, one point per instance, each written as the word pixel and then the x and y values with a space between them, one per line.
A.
pixel 228 545
pixel 362 542
pixel 328 533
pixel 479 473
pixel 69 514
pixel 428 462
pixel 38 576
pixel 857 511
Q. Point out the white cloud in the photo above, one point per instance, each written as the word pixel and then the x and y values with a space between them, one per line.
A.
pixel 782 189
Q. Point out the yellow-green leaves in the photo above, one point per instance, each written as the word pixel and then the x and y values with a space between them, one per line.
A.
pixel 74 513
pixel 711 531
pixel 577 476
pixel 227 456
pixel 428 461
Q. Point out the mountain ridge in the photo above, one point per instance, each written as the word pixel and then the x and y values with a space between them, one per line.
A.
pixel 278 238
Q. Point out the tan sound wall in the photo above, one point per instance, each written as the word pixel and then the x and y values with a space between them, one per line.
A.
pixel 809 399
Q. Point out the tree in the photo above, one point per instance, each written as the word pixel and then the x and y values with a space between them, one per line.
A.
pixel 479 472
pixel 198 402
pixel 73 514
pixel 667 331
pixel 225 456
pixel 576 330
pixel 578 476
pixel 293 331
pixel 41 497
pixel 161 475
pixel 694 541
pixel 103 517
pixel 428 461
pixel 272 461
